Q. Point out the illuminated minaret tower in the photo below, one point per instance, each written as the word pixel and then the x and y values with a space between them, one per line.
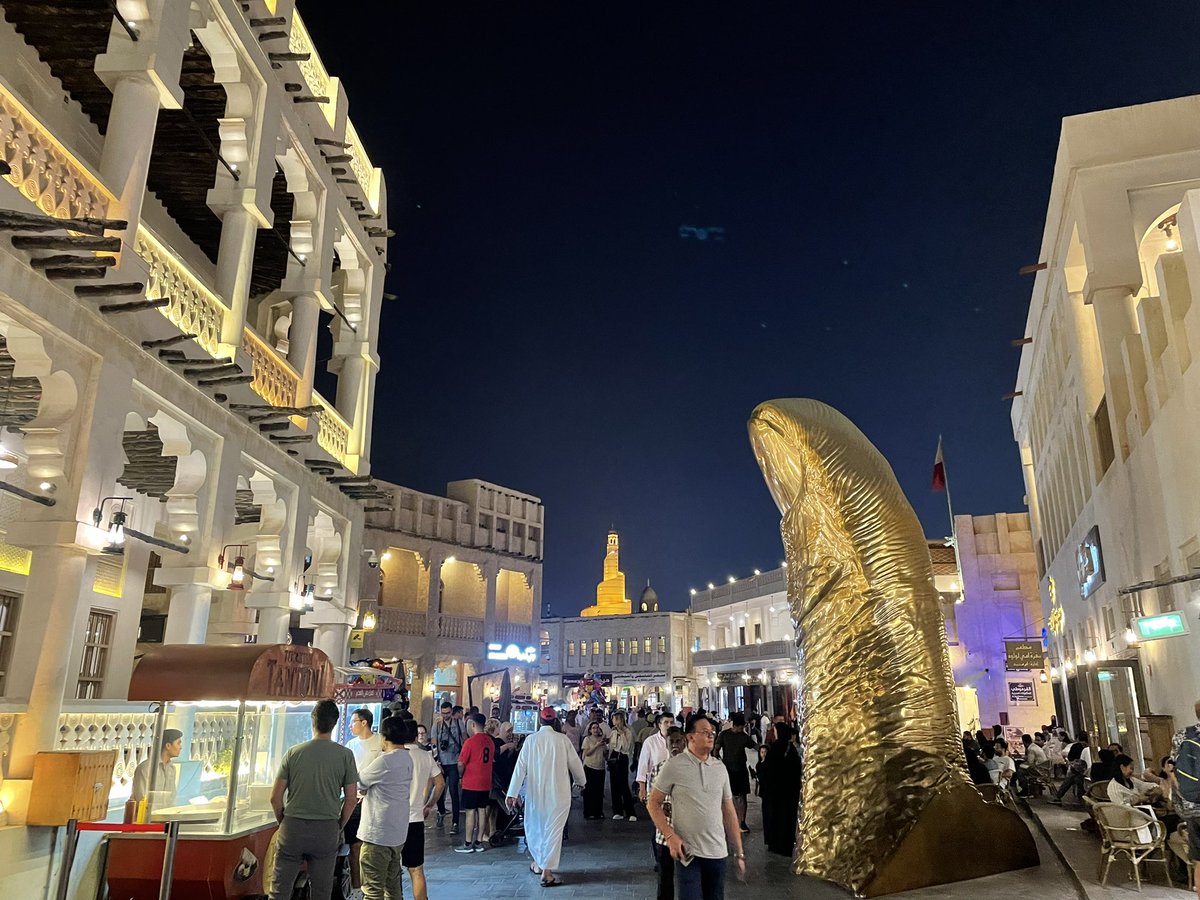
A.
pixel 610 593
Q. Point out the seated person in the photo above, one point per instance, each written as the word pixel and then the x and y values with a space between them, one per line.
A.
pixel 1123 788
pixel 1161 775
pixel 1105 768
pixel 1005 768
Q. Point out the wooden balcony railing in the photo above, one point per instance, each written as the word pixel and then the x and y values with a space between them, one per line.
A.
pixel 463 628
pixel 333 432
pixel 401 621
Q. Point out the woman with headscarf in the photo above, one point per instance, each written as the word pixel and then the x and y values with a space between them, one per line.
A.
pixel 975 767
pixel 782 772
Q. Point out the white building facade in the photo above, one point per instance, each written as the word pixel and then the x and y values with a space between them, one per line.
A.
pixel 458 588
pixel 171 469
pixel 1107 419
pixel 641 658
pixel 994 624
pixel 746 659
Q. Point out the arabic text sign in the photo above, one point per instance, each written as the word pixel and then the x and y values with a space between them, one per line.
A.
pixel 1023 655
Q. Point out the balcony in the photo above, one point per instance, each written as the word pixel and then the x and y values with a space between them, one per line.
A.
pixel 460 628
pixel 748 653
pixel 401 621
pixel 773 582
pixel 512 633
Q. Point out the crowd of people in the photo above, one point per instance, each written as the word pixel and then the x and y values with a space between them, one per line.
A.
pixel 690 775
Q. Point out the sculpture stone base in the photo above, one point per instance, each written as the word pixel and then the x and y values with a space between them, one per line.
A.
pixel 957 837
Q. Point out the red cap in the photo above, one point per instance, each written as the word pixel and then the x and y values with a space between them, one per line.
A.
pixel 548 714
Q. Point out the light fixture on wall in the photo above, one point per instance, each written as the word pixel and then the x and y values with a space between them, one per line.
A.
pixel 1089 656
pixel 1166 226
pixel 8 459
pixel 115 538
pixel 1043 677
pixel 368 621
pixel 237 578
pixel 1131 637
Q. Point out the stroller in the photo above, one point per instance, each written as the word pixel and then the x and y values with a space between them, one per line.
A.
pixel 509 825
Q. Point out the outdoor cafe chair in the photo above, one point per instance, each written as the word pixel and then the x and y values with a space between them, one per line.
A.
pixel 1132 833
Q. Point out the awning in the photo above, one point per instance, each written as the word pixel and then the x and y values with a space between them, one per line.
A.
pixel 238 672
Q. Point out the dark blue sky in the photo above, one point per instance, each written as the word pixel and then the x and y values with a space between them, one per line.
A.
pixel 881 174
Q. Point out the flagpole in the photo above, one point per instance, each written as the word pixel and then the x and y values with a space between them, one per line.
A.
pixel 962 588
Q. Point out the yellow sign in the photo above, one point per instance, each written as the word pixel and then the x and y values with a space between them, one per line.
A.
pixel 356 638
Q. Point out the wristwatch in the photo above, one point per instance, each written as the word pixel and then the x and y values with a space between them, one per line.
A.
pixel 739 856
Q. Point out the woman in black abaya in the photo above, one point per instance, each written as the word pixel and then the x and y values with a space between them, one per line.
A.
pixel 782 772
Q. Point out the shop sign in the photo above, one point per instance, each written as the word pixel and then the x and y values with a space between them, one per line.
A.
pixel 1022 692
pixel 572 679
pixel 1023 655
pixel 1089 562
pixel 511 653
pixel 1165 625
pixel 363 693
pixel 731 677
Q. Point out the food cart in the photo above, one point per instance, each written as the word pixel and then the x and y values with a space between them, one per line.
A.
pixel 240 708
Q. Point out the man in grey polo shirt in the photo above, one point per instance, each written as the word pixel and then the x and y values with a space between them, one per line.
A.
pixel 315 792
pixel 703 821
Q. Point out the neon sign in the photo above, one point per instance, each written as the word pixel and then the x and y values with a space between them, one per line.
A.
pixel 513 653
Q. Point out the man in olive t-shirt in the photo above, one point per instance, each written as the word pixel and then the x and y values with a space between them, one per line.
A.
pixel 314 794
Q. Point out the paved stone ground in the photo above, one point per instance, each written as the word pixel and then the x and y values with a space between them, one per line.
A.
pixel 610 860
pixel 1082 851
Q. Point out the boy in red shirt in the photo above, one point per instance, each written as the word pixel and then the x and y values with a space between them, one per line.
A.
pixel 475 770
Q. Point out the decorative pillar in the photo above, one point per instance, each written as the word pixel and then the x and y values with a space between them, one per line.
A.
pixel 433 606
pixel 54 589
pixel 1116 319
pixel 235 263
pixel 333 639
pixel 273 622
pixel 490 571
pixel 143 76
pixel 302 342
pixel 187 615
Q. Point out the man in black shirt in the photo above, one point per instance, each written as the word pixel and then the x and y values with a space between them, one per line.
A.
pixel 731 748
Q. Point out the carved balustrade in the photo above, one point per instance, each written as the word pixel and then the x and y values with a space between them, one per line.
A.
pixel 464 628
pixel 401 621
pixel 333 432
pixel 45 171
pixel 319 82
pixel 194 309
pixel 274 380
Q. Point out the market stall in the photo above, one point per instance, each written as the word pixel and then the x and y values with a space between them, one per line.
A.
pixel 239 709
pixel 366 687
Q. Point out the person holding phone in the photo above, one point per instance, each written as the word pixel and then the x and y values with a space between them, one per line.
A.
pixel 703 820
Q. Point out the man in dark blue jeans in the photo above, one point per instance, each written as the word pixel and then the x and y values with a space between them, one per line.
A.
pixel 449 735
pixel 703 820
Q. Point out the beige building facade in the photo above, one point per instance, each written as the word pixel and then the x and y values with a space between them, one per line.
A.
pixel 457 588
pixel 177 466
pixel 1107 419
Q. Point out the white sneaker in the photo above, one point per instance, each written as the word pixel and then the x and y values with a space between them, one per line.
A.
pixel 633 818
pixel 617 818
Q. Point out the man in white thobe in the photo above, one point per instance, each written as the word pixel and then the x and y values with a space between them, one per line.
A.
pixel 547 766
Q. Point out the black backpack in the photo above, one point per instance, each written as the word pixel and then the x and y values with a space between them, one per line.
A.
pixel 1187 765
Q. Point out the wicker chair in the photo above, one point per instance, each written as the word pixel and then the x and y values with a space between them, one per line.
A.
pixel 1133 833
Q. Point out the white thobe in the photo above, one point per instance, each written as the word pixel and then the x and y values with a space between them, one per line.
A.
pixel 546 767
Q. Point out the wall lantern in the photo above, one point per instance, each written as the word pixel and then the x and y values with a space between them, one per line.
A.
pixel 115 541
pixel 368 621
pixel 237 579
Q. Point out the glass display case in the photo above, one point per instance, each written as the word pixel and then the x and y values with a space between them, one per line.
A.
pixel 209 794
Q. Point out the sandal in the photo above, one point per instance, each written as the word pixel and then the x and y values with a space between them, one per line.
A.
pixel 553 882
pixel 534 869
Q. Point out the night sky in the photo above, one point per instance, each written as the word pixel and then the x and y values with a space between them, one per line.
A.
pixel 880 175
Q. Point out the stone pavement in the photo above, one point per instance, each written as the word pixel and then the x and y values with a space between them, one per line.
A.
pixel 609 860
pixel 1082 851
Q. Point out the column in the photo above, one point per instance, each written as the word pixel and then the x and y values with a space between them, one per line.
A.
pixel 433 607
pixel 125 159
pixel 187 615
pixel 54 619
pixel 273 623
pixel 235 263
pixel 1116 319
pixel 302 342
pixel 333 638
pixel 490 571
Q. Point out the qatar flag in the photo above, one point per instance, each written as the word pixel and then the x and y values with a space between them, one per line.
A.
pixel 939 469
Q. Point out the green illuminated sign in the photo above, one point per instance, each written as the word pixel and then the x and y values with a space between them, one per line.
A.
pixel 1151 628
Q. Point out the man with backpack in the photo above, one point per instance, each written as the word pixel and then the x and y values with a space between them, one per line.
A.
pixel 449 735
pixel 1185 785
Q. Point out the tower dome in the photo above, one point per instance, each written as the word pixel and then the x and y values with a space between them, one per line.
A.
pixel 648 602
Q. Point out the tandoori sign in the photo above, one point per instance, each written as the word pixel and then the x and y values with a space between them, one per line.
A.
pixel 1023 655
pixel 1164 625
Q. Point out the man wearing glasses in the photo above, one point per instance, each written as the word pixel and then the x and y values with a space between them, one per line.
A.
pixel 703 820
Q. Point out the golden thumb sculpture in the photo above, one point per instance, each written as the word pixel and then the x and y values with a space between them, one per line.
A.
pixel 887 802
